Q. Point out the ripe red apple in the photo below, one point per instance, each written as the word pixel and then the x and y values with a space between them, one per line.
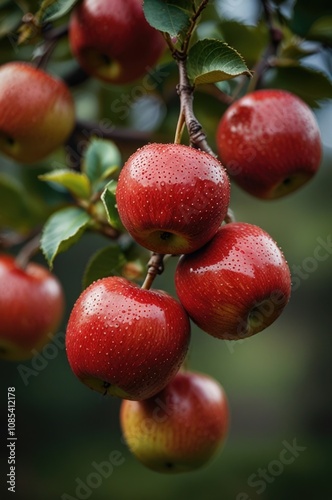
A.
pixel 112 40
pixel 181 428
pixel 31 308
pixel 237 285
pixel 172 198
pixel 124 340
pixel 269 142
pixel 37 112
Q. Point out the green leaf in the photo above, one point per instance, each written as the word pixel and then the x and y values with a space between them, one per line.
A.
pixel 62 230
pixel 321 30
pixel 50 10
pixel 108 261
pixel 109 200
pixel 77 183
pixel 101 159
pixel 211 61
pixel 169 16
pixel 293 48
pixel 18 210
pixel 309 84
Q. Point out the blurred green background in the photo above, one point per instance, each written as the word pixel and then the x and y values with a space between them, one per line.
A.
pixel 279 383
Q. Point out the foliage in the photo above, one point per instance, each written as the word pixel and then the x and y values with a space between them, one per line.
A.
pixel 224 60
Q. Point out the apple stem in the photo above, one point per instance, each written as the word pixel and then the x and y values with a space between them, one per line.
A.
pixel 155 267
pixel 9 239
pixel 230 216
pixel 27 251
pixel 179 128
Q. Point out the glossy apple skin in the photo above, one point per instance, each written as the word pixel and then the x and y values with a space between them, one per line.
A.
pixel 125 341
pixel 31 308
pixel 237 285
pixel 37 112
pixel 112 40
pixel 269 142
pixel 181 428
pixel 172 198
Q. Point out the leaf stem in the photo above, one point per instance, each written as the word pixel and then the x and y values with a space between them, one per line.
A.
pixel 99 224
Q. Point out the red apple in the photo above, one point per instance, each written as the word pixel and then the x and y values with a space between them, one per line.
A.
pixel 112 40
pixel 181 428
pixel 37 112
pixel 31 308
pixel 237 285
pixel 269 142
pixel 126 341
pixel 172 198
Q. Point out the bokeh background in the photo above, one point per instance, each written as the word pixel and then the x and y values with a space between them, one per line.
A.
pixel 279 383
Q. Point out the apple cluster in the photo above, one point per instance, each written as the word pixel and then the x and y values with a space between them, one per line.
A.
pixel 231 279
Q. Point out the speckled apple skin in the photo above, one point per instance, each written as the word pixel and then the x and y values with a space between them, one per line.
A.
pixel 124 340
pixel 37 112
pixel 237 285
pixel 175 189
pixel 181 428
pixel 31 308
pixel 269 142
pixel 112 40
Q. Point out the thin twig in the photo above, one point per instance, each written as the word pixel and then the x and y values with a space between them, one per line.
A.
pixel 276 36
pixel 155 267
pixel 28 251
pixel 193 24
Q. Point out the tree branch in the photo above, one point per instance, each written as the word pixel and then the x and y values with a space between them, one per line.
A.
pixel 186 92
pixel 155 267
